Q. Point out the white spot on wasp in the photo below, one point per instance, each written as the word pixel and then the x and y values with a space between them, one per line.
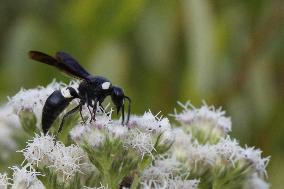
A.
pixel 106 85
pixel 66 92
pixel 76 89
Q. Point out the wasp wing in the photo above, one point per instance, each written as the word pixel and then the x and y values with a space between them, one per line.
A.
pixel 63 62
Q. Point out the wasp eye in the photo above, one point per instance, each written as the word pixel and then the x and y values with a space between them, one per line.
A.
pixel 106 85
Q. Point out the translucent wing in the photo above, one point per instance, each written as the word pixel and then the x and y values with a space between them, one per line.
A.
pixel 63 62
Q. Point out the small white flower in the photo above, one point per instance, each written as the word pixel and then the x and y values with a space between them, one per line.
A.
pixel 139 141
pixel 253 156
pixel 205 115
pixel 167 138
pixel 67 161
pixel 256 183
pixel 178 183
pixel 9 123
pixel 33 99
pixel 182 140
pixel 163 167
pixel 78 133
pixel 8 117
pixel 26 178
pixel 95 137
pixel 229 150
pixel 175 183
pixel 204 155
pixel 4 181
pixel 150 122
pixel 39 149
pixel 190 151
pixel 116 130
pixel 103 118
pixel 88 133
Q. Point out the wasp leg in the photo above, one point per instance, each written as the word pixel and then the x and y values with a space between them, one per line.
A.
pixel 83 120
pixel 68 114
pixel 89 103
pixel 94 111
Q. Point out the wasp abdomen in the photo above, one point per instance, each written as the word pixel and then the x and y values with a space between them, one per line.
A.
pixel 54 105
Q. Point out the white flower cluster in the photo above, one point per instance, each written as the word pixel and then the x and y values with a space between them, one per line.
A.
pixel 226 152
pixel 32 100
pixel 9 123
pixel 66 161
pixel 26 178
pixel 255 182
pixel 4 181
pixel 166 173
pixel 211 119
pixel 139 135
pixel 149 122
pixel 194 154
pixel 140 141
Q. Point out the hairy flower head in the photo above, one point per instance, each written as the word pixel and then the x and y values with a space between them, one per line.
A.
pixel 4 181
pixel 67 161
pixel 206 121
pixel 39 149
pixel 149 122
pixel 26 178
pixel 140 141
pixel 253 157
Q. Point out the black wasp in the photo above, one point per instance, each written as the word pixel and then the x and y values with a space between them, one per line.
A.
pixel 91 91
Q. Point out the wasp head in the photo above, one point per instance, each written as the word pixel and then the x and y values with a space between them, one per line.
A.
pixel 118 98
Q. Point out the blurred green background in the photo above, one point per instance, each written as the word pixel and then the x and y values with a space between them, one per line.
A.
pixel 228 53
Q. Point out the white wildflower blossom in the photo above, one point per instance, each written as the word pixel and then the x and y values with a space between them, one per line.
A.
pixel 133 138
pixel 162 168
pixel 26 178
pixel 9 123
pixel 95 137
pixel 229 150
pixel 253 156
pixel 39 149
pixel 4 181
pixel 182 140
pixel 167 173
pixel 140 141
pixel 8 117
pixel 201 148
pixel 203 117
pixel 67 161
pixel 178 183
pixel 103 118
pixel 150 122
pixel 116 130
pixel 201 154
pixel 255 182
pixel 78 133
pixel 33 99
pixel 189 150
pixel 167 138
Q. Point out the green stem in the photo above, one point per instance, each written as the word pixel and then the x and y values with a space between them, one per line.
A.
pixel 135 182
